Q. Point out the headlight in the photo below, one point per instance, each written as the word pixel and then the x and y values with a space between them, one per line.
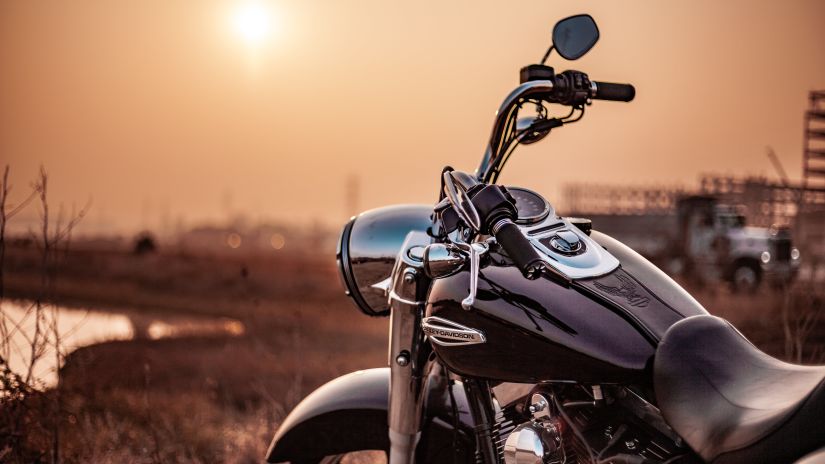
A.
pixel 766 257
pixel 795 254
pixel 368 247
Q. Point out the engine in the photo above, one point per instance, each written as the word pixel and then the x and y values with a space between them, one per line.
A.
pixel 536 441
pixel 574 424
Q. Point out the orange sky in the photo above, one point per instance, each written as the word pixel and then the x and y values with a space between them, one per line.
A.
pixel 157 108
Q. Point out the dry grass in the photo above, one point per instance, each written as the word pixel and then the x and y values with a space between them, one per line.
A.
pixel 788 323
pixel 208 399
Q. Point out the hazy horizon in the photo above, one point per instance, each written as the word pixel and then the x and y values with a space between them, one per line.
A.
pixel 164 109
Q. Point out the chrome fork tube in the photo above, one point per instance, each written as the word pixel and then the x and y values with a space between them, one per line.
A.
pixel 408 352
pixel 406 387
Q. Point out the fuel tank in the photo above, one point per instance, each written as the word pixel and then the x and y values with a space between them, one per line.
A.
pixel 603 329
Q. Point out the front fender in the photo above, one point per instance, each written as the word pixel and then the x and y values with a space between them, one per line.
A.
pixel 350 414
pixel 345 414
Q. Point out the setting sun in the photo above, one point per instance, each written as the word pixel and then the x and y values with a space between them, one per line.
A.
pixel 253 22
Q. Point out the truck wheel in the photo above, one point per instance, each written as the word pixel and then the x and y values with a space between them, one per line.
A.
pixel 746 278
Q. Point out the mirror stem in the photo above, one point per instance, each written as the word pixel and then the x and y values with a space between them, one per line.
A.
pixel 547 55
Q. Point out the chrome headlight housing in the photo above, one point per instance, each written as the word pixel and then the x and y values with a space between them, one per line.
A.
pixel 368 247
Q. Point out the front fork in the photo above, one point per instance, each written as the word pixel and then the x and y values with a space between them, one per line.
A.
pixel 408 356
pixel 408 352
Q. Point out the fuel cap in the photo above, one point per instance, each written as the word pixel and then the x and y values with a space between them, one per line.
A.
pixel 566 242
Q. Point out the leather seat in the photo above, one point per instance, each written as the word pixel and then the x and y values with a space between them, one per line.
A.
pixel 733 403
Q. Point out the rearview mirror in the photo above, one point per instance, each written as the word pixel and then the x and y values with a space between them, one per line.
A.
pixel 575 36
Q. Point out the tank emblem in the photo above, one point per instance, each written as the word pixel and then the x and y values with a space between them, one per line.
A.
pixel 448 333
pixel 627 289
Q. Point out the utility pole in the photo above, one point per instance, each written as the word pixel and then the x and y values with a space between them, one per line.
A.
pixel 352 190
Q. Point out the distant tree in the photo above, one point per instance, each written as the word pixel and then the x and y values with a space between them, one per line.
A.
pixel 7 211
pixel 145 243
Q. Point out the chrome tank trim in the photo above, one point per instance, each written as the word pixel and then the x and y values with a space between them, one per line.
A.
pixel 448 333
pixel 588 259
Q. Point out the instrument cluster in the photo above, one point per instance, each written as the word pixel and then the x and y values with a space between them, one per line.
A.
pixel 532 207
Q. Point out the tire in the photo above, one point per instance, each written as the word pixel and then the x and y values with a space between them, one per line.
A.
pixel 746 278
pixel 357 457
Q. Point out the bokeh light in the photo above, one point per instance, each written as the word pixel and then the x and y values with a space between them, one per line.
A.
pixel 277 241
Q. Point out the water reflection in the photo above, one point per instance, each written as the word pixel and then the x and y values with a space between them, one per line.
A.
pixel 83 327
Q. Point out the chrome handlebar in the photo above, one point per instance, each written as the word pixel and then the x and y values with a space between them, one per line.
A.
pixel 572 88
pixel 523 91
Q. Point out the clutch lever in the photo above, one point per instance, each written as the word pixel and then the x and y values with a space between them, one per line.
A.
pixel 475 251
pixel 456 185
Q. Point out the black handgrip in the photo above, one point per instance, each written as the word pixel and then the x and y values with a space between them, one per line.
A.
pixel 518 248
pixel 614 92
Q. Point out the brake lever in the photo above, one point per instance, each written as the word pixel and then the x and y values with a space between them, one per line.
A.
pixel 474 251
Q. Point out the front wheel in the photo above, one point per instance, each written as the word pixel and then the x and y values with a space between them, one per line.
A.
pixel 357 457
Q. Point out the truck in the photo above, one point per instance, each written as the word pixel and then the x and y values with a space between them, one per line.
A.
pixel 708 242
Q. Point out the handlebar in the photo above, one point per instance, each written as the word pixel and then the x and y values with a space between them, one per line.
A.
pixel 613 92
pixel 518 248
pixel 572 88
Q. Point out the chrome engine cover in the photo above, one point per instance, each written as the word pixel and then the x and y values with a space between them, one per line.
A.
pixel 531 443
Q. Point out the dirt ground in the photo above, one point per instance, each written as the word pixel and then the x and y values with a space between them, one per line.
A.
pixel 220 399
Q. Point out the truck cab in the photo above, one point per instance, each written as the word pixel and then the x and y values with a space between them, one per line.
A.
pixel 717 243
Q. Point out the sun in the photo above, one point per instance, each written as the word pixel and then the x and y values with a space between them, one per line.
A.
pixel 253 22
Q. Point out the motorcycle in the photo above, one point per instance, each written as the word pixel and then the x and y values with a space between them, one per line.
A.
pixel 520 336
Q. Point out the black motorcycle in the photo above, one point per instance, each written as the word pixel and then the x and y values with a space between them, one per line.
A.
pixel 519 336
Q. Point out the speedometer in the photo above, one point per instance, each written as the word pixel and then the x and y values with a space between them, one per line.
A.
pixel 532 208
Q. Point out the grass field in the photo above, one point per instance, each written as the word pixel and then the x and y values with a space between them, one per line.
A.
pixel 220 399
pixel 210 399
